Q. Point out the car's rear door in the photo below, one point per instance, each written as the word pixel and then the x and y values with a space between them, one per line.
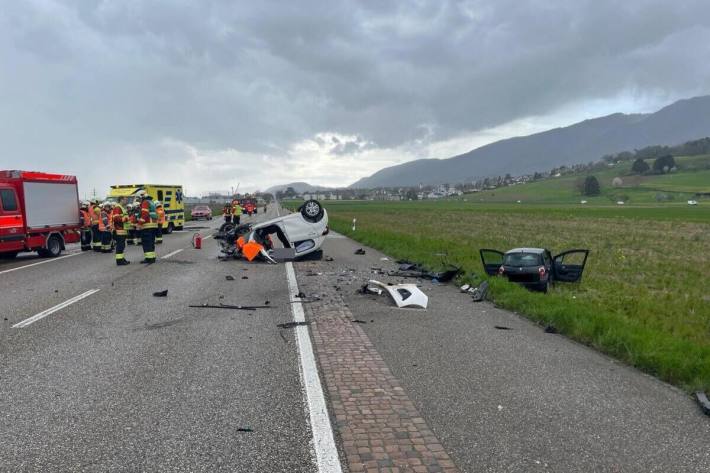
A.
pixel 568 266
pixel 11 221
pixel 492 260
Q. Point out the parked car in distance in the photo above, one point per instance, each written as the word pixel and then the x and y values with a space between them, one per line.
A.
pixel 201 211
pixel 535 268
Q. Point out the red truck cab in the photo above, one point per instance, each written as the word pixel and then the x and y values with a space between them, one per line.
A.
pixel 38 212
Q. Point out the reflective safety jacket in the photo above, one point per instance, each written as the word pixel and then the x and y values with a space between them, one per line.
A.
pixel 94 213
pixel 236 209
pixel 161 215
pixel 119 219
pixel 104 221
pixel 85 218
pixel 227 210
pixel 148 217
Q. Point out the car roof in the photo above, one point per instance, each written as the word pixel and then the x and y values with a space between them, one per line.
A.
pixel 526 250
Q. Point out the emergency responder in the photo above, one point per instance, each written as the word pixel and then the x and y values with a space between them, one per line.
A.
pixel 119 219
pixel 94 214
pixel 161 222
pixel 85 226
pixel 128 225
pixel 105 227
pixel 149 223
pixel 236 212
pixel 136 223
pixel 227 212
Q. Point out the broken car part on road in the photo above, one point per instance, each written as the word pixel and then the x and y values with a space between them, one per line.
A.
pixel 404 295
pixel 228 306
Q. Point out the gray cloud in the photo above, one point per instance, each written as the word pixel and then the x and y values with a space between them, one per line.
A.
pixel 82 78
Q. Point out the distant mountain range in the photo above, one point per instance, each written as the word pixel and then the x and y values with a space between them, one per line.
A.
pixel 582 142
pixel 299 187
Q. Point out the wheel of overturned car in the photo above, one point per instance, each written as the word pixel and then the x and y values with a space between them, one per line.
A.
pixel 312 211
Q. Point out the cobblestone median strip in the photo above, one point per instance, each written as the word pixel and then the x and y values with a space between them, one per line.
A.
pixel 380 428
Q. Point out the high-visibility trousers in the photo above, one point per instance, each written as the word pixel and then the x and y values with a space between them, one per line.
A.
pixel 148 243
pixel 106 238
pixel 95 238
pixel 86 238
pixel 120 247
pixel 159 234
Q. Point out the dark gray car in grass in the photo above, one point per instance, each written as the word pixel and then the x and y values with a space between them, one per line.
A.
pixel 535 268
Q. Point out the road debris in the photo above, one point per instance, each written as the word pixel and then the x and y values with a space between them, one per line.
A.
pixel 549 328
pixel 245 277
pixel 358 321
pixel 292 324
pixel 245 429
pixel 703 401
pixel 329 258
pixel 501 327
pixel 404 295
pixel 359 251
pixel 229 306
pixel 161 293
pixel 229 278
pixel 479 294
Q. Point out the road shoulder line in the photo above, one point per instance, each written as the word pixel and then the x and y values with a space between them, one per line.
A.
pixel 40 262
pixel 54 309
pixel 323 440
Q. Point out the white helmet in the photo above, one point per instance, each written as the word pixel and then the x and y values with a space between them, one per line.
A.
pixel 158 203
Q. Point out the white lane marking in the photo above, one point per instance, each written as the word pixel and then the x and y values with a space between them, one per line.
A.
pixel 41 262
pixel 52 310
pixel 323 442
pixel 172 253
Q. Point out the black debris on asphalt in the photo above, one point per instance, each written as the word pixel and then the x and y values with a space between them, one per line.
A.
pixel 245 429
pixel 329 258
pixel 359 251
pixel 292 324
pixel 300 295
pixel 358 321
pixel 502 327
pixel 245 277
pixel 549 328
pixel 161 293
pixel 229 278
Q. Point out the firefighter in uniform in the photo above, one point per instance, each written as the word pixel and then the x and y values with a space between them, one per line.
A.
pixel 119 219
pixel 161 222
pixel 85 226
pixel 94 214
pixel 227 212
pixel 149 223
pixel 236 212
pixel 129 226
pixel 136 218
pixel 105 227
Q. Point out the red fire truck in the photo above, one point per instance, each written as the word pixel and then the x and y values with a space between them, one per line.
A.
pixel 38 212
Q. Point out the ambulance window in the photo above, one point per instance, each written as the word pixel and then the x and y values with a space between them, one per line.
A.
pixel 9 203
pixel 160 195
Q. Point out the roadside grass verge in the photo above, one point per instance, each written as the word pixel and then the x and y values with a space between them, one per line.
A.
pixel 645 295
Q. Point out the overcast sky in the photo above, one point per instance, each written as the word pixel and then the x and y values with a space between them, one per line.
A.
pixel 212 93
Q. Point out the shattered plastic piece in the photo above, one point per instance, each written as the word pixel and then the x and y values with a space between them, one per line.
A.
pixel 465 287
pixel 245 429
pixel 703 401
pixel 293 324
pixel 359 251
pixel 384 258
pixel 329 258
pixel 245 277
pixel 502 327
pixel 161 293
pixel 358 321
pixel 404 295
pixel 229 278
pixel 480 292
pixel 300 295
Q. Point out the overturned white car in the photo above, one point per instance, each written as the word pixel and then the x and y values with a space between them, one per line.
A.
pixel 301 234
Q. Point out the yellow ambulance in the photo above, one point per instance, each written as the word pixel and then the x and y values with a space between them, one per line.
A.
pixel 170 195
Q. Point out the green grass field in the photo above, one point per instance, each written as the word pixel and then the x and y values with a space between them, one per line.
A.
pixel 645 295
pixel 693 176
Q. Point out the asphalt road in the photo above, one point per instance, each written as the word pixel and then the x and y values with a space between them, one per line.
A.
pixel 518 400
pixel 123 381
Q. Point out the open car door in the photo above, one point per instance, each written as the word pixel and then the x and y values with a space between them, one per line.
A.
pixel 492 260
pixel 569 265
